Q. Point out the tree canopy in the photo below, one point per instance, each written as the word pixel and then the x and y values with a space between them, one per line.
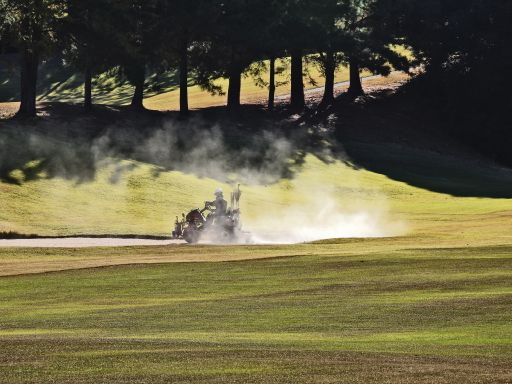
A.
pixel 461 46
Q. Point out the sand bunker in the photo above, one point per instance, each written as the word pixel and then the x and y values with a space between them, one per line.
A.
pixel 83 242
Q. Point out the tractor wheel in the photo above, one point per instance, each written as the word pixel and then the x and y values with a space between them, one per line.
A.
pixel 191 236
pixel 227 236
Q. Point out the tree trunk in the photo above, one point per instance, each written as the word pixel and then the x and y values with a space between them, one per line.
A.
pixel 235 85
pixel 272 84
pixel 297 84
pixel 184 79
pixel 355 89
pixel 434 69
pixel 28 85
pixel 88 88
pixel 329 67
pixel 138 94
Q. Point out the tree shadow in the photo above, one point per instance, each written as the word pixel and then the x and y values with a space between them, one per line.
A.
pixel 391 135
pixel 253 146
pixel 58 81
pixel 382 133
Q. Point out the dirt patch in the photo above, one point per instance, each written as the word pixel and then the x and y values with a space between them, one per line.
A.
pixel 78 242
pixel 8 110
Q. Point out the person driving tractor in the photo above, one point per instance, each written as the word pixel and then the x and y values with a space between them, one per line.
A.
pixel 219 206
pixel 221 223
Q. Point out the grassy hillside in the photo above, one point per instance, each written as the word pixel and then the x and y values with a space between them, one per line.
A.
pixel 141 203
pixel 251 93
pixel 59 82
pixel 101 175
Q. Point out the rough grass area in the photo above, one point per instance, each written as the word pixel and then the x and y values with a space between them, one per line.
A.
pixel 430 315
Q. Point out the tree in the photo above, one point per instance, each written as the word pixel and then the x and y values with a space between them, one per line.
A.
pixel 31 26
pixel 136 29
pixel 274 70
pixel 369 45
pixel 328 25
pixel 231 46
pixel 297 35
pixel 357 31
pixel 273 45
pixel 87 39
pixel 430 28
pixel 243 21
pixel 182 24
pixel 463 50
pixel 276 66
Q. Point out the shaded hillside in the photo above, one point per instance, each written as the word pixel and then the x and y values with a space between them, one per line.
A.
pixel 407 141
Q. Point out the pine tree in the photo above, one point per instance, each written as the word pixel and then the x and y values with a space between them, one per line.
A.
pixel 87 40
pixel 31 27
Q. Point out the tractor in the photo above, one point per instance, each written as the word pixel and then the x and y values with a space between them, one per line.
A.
pixel 205 225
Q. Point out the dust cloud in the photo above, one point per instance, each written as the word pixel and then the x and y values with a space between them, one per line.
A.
pixel 219 151
pixel 317 211
pixel 320 213
pixel 223 151
pixel 309 222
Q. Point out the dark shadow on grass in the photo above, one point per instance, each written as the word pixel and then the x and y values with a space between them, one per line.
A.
pixel 434 171
pixel 382 132
pixel 389 134
pixel 68 143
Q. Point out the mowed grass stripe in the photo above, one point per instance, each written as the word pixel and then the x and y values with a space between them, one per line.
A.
pixel 421 315
pixel 21 261
pixel 304 294
pixel 108 362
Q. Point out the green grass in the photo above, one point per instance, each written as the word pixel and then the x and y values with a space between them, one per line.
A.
pixel 432 305
pixel 142 203
pixel 298 319
pixel 59 82
pixel 250 93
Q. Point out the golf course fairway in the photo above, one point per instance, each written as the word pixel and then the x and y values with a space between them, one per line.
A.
pixel 431 302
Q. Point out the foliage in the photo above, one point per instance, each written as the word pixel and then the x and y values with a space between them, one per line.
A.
pixel 87 35
pixel 463 47
pixel 31 24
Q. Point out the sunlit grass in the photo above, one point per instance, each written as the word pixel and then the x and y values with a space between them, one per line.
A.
pixel 251 93
pixel 141 203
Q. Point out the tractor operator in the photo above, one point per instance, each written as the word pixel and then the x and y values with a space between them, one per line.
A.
pixel 221 205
